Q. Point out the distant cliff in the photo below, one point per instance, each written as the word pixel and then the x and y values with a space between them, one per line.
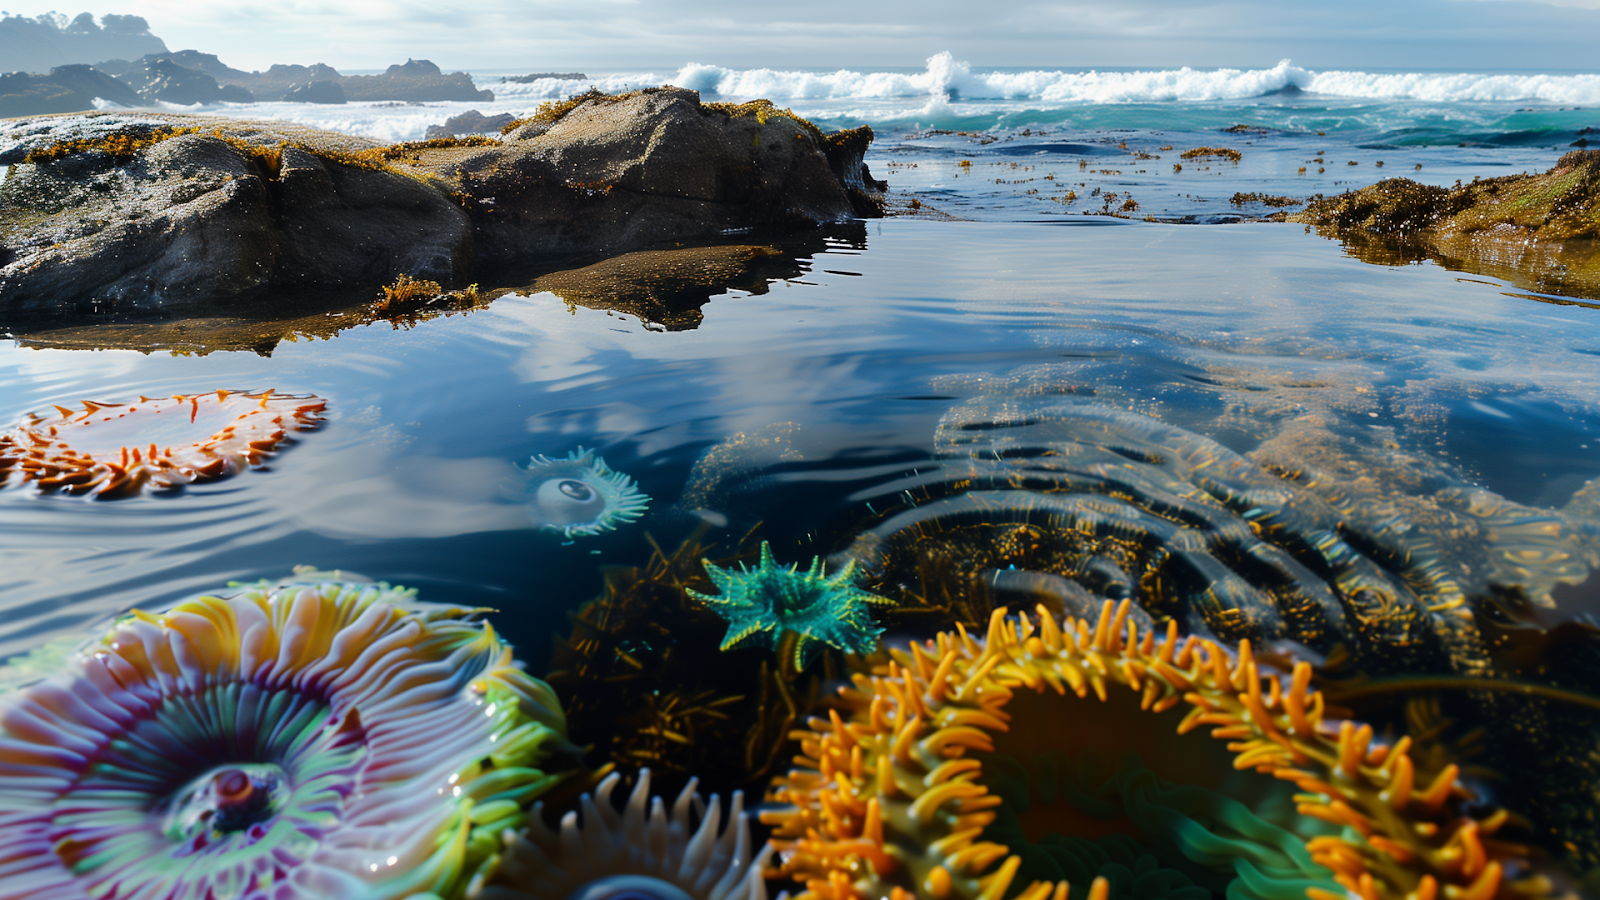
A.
pixel 42 43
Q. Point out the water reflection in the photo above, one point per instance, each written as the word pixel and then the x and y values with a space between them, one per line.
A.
pixel 665 287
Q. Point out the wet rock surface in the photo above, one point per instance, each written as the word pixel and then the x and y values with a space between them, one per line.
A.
pixel 141 214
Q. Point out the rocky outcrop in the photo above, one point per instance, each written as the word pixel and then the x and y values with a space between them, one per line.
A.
pixel 628 170
pixel 469 122
pixel 135 212
pixel 418 80
pixel 65 89
pixel 156 79
pixel 317 92
pixel 1541 231
pixel 147 219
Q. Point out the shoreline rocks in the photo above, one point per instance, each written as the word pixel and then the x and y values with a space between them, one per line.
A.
pixel 151 213
pixel 1539 231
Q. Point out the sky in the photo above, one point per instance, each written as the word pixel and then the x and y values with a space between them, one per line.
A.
pixel 600 35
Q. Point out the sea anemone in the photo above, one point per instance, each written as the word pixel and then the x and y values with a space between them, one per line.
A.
pixel 304 740
pixel 641 853
pixel 773 606
pixel 893 798
pixel 119 449
pixel 581 495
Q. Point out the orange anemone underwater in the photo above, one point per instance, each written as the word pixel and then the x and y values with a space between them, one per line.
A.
pixel 913 790
pixel 120 449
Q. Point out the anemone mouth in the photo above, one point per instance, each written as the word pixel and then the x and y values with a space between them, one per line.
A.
pixel 580 495
pixel 642 852
pixel 295 741
pixel 111 450
pixel 900 794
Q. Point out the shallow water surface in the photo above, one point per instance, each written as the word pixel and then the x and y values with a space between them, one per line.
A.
pixel 1238 334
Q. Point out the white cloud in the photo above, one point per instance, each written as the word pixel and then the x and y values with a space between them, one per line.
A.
pixel 664 34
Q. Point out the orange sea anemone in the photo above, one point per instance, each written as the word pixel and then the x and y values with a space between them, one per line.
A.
pixel 119 449
pixel 900 794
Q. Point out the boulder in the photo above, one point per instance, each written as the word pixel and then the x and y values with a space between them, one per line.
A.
pixel 145 219
pixel 316 92
pixel 624 171
pixel 469 122
pixel 148 211
pixel 66 89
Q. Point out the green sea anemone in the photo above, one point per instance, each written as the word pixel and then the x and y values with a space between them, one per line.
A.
pixel 580 495
pixel 775 606
pixel 300 740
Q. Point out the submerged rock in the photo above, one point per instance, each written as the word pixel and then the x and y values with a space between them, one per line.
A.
pixel 1539 231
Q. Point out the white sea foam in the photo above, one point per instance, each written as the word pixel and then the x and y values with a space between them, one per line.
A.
pixel 948 90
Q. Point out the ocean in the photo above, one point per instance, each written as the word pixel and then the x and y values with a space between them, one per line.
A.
pixel 1451 416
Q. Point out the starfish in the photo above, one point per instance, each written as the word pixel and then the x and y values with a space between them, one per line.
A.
pixel 771 605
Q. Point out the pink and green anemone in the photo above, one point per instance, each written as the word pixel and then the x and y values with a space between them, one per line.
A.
pixel 314 739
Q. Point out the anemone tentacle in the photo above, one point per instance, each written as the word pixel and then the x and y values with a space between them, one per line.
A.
pixel 581 495
pixel 120 449
pixel 889 799
pixel 642 851
pixel 291 741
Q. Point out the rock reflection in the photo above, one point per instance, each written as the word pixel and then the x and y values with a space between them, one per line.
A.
pixel 663 288
pixel 1568 268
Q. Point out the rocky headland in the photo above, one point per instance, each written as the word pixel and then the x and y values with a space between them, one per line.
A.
pixel 189 77
pixel 1539 231
pixel 130 214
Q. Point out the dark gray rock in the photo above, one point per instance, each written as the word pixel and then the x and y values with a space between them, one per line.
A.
pixel 155 78
pixel 418 80
pixel 469 122
pixel 316 92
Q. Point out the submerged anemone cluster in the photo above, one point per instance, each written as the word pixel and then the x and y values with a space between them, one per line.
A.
pixel 112 450
pixel 581 495
pixel 301 740
pixel 892 795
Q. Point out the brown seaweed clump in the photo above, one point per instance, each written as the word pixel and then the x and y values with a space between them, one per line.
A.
pixel 650 687
pixel 1227 153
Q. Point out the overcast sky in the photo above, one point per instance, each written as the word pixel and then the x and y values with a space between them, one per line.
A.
pixel 541 35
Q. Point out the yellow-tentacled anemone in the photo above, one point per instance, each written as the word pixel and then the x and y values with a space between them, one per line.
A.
pixel 640 853
pixel 1045 756
pixel 306 740
pixel 119 449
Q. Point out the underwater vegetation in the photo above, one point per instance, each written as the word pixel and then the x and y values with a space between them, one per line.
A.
pixel 794 613
pixel 309 739
pixel 641 851
pixel 580 495
pixel 111 450
pixel 646 686
pixel 903 790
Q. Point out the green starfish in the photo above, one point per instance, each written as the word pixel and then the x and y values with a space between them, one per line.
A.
pixel 771 605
